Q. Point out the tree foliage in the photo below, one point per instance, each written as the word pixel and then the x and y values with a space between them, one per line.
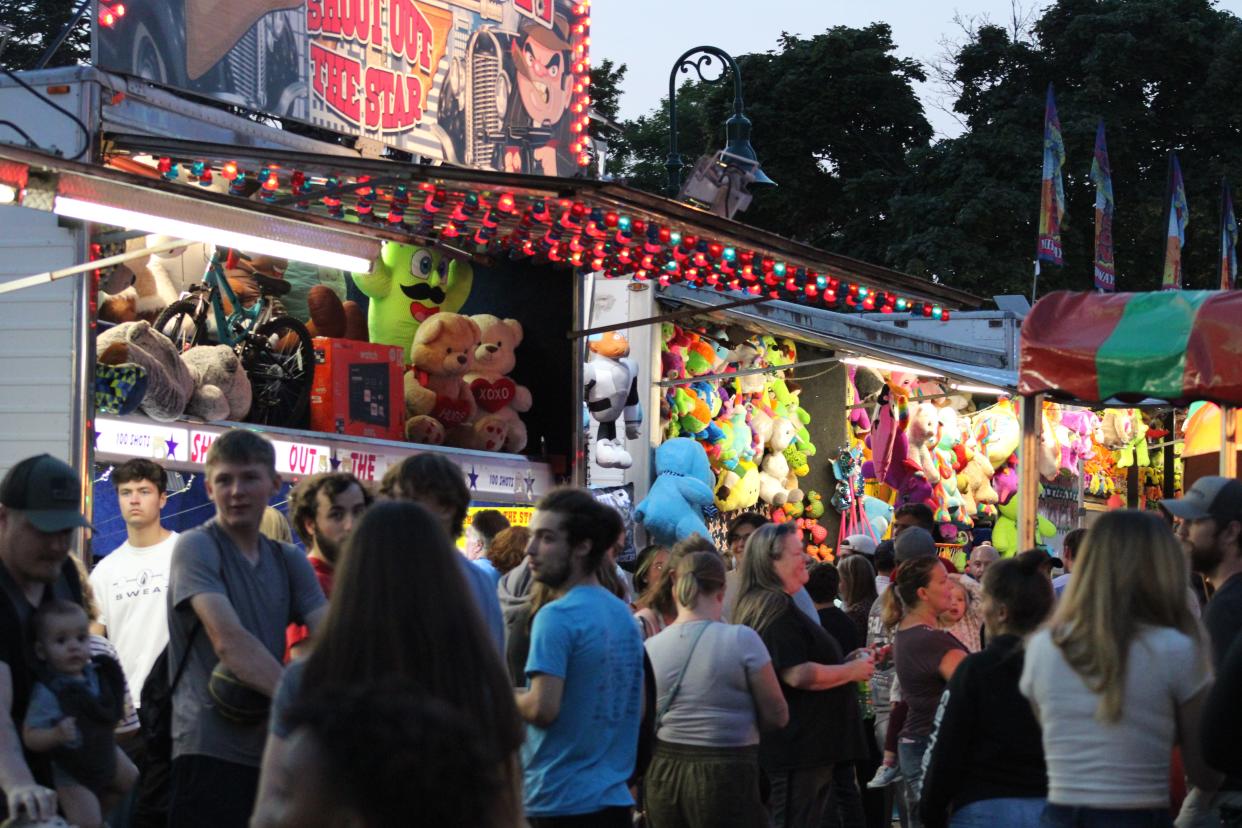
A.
pixel 1158 72
pixel 838 126
pixel 36 23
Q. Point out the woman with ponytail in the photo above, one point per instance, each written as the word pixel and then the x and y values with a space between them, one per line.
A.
pixel 819 681
pixel 1118 678
pixel 925 657
pixel 715 690
pixel 986 760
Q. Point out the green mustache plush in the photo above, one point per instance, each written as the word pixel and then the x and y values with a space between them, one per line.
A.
pixel 407 285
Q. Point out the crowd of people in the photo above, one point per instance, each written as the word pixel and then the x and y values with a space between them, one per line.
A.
pixel 381 677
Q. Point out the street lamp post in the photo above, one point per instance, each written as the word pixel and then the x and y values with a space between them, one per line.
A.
pixel 737 127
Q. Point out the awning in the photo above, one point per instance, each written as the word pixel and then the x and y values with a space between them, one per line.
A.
pixel 849 335
pixel 1176 346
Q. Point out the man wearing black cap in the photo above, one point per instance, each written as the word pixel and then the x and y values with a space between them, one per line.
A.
pixel 1212 510
pixel 39 509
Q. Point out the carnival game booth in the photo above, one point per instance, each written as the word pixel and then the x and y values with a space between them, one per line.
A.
pixel 782 397
pixel 453 242
pixel 1171 348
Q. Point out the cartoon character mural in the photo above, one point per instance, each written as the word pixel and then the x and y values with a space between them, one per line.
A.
pixel 507 99
pixel 481 83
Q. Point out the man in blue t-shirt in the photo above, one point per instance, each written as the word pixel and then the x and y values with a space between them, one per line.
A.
pixel 584 701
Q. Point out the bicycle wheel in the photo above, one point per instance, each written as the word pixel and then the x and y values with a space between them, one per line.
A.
pixel 280 361
pixel 180 323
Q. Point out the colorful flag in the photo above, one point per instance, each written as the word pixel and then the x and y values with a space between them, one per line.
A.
pixel 1228 240
pixel 1179 217
pixel 1052 195
pixel 1102 175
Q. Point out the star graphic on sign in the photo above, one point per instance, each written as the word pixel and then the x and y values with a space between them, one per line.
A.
pixel 171 445
pixel 336 462
pixel 474 478
pixel 95 440
pixel 529 480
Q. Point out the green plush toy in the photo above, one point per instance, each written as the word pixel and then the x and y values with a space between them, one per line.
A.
pixel 407 285
pixel 1005 532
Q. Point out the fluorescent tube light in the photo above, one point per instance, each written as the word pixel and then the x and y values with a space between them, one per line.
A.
pixel 981 389
pixel 150 223
pixel 879 365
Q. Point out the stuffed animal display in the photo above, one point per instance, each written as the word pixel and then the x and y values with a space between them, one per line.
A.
pixel 610 387
pixel 476 404
pixel 751 426
pixel 673 508
pixel 206 382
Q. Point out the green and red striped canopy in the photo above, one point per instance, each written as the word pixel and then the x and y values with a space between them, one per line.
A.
pixel 1178 346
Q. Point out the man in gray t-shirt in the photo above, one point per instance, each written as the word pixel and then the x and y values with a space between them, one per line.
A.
pixel 240 590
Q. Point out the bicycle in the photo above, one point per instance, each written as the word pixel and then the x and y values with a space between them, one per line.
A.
pixel 275 351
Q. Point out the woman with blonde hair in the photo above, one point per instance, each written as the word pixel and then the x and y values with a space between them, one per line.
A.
pixel 818 680
pixel 715 690
pixel 1118 678
pixel 657 607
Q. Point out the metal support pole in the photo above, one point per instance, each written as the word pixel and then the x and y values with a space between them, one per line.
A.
pixel 1228 441
pixel 1028 470
pixel 53 275
pixel 578 458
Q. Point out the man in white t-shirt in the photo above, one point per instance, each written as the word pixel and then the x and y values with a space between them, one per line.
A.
pixel 131 583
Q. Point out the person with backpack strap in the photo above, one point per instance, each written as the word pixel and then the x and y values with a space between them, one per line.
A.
pixel 243 590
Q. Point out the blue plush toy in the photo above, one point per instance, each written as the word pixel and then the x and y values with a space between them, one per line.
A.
pixel 673 509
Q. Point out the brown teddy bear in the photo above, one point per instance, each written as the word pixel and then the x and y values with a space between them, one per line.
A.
pixel 329 316
pixel 498 397
pixel 438 403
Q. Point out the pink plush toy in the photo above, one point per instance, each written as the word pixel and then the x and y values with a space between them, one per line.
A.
pixel 1005 481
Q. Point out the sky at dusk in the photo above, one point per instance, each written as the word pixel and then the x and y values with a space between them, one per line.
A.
pixel 648 35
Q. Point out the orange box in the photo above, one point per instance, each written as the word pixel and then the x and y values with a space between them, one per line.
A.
pixel 358 389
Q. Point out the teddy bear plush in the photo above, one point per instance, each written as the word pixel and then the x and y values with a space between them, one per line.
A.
pixel 407 286
pixel 169 384
pixel 499 399
pixel 438 403
pixel 328 316
pixel 673 509
pixel 221 388
pixel 921 434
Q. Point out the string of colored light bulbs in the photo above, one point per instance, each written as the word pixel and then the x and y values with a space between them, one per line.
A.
pixel 563 231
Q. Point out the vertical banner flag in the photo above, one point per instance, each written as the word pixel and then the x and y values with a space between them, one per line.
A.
pixel 1102 175
pixel 1228 240
pixel 1052 195
pixel 1179 217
